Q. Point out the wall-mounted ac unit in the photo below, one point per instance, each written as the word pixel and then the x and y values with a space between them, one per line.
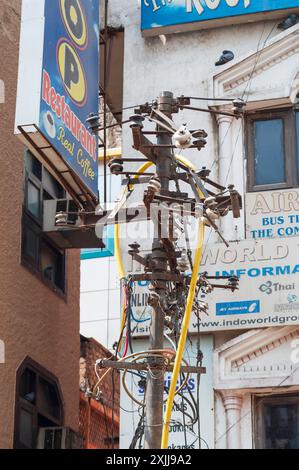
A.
pixel 59 438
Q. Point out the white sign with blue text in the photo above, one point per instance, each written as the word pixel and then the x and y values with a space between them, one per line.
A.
pixel 268 271
pixel 272 214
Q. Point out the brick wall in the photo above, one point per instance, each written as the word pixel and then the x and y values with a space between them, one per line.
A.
pixel 96 417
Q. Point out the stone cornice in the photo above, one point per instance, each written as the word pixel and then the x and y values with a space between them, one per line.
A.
pixel 255 63
pixel 265 348
pixel 230 359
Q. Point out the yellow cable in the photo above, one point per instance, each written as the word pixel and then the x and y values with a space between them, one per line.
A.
pixel 183 337
pixel 189 306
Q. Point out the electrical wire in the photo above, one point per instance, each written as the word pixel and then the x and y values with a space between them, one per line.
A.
pixel 123 109
pixel 245 89
pixel 248 88
pixel 188 311
pixel 183 337
pixel 118 255
pixel 139 430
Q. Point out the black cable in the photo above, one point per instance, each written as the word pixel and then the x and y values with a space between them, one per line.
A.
pixel 184 414
pixel 123 109
pixel 258 54
pixel 113 405
pixel 113 383
pixel 129 318
pixel 106 421
pixel 244 91
pixel 139 430
pixel 166 389
pixel 192 406
pixel 142 434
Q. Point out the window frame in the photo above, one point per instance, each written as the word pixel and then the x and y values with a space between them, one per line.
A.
pixel 259 404
pixel 290 148
pixel 31 179
pixel 34 409
pixel 31 222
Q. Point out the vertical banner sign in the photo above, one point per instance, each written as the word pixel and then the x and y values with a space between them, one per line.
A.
pixel 70 84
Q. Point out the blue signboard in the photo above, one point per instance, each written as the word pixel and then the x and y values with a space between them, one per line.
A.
pixel 238 308
pixel 157 14
pixel 70 84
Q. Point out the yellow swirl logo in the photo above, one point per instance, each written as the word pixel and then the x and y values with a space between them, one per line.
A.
pixel 75 21
pixel 71 72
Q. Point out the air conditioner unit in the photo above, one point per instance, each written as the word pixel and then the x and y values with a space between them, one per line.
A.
pixel 59 438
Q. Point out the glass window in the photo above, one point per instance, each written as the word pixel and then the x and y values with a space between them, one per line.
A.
pixel 52 265
pixel 31 244
pixel 39 404
pixel 33 165
pixel 38 254
pixel 277 422
pixel 48 399
pixel 26 428
pixel 33 200
pixel 281 427
pixel 28 386
pixel 269 156
pixel 52 187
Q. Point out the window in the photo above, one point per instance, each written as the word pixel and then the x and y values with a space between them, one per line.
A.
pixel 38 404
pixel 273 150
pixel 39 254
pixel 277 422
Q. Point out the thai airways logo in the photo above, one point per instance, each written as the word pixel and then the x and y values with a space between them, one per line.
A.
pixel 269 287
pixel 292 298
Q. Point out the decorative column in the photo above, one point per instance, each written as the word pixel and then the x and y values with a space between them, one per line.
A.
pixel 232 401
pixel 225 173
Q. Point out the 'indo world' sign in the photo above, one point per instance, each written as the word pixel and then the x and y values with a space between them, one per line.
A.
pixel 269 278
pixel 163 16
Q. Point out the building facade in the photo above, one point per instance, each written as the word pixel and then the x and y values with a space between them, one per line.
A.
pixel 249 397
pixel 99 417
pixel 39 325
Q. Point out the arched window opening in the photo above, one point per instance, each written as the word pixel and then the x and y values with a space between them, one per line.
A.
pixel 38 404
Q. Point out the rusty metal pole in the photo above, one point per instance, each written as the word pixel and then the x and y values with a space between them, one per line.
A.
pixel 155 380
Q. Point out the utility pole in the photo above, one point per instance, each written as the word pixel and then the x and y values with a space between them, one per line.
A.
pixel 165 268
pixel 155 381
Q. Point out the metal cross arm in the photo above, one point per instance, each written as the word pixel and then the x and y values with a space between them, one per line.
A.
pixel 144 366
